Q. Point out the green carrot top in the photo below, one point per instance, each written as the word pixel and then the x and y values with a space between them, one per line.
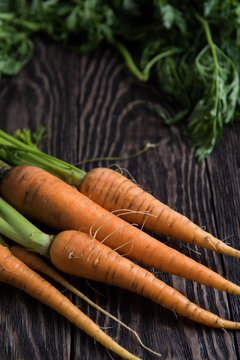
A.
pixel 24 151
pixel 19 149
pixel 16 227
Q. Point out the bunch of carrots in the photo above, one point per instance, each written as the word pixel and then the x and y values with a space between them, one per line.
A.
pixel 96 214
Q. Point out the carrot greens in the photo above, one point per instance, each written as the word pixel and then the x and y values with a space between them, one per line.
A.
pixel 20 149
pixel 191 50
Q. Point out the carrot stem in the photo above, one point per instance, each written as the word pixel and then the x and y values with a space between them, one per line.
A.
pixel 119 158
pixel 18 228
pixel 17 152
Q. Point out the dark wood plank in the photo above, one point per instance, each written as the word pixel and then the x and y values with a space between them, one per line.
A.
pixel 91 106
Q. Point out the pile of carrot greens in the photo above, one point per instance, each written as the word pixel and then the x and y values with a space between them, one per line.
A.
pixel 192 49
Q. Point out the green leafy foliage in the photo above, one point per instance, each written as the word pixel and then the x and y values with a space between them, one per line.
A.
pixel 192 49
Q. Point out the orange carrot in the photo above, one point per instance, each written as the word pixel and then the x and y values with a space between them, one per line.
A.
pixel 77 253
pixel 45 198
pixel 114 192
pixel 16 273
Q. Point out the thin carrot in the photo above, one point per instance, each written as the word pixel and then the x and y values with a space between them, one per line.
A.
pixel 114 192
pixel 43 197
pixel 14 272
pixel 77 253
pixel 35 262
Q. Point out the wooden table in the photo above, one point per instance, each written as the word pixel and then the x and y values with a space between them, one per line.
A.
pixel 91 106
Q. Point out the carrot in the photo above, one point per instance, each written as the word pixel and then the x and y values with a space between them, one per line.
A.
pixel 106 186
pixel 77 253
pixel 48 200
pixel 35 262
pixel 115 192
pixel 15 272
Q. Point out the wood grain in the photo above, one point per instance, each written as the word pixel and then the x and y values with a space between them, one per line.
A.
pixel 91 106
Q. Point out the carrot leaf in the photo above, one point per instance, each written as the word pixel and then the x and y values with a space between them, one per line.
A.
pixel 189 49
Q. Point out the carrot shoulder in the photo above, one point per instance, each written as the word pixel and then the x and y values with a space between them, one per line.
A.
pixel 47 199
pixel 14 272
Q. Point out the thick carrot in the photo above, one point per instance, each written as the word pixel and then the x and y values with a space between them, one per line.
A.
pixel 45 198
pixel 16 273
pixel 36 263
pixel 115 192
pixel 77 253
